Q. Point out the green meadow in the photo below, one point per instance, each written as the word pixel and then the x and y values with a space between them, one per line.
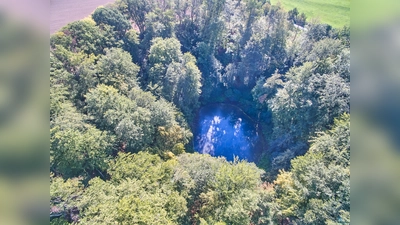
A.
pixel 333 12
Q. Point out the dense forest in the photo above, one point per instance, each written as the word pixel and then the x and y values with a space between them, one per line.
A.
pixel 126 84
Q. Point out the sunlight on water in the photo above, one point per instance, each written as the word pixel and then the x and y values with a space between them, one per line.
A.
pixel 224 130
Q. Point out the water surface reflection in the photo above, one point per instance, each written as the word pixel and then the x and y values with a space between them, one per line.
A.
pixel 225 130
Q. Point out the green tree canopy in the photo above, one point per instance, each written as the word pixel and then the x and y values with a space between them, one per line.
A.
pixel 112 17
pixel 116 69
pixel 317 189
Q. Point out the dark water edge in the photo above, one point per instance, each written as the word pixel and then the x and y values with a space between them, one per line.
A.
pixel 222 129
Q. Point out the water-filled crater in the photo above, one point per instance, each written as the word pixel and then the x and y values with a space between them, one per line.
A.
pixel 225 130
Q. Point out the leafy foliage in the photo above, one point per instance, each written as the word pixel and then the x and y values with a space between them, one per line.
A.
pixel 136 127
pixel 116 69
pixel 305 99
pixel 125 87
pixel 112 17
pixel 317 189
pixel 64 196
pixel 81 35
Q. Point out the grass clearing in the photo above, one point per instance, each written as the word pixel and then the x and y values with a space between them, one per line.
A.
pixel 333 12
